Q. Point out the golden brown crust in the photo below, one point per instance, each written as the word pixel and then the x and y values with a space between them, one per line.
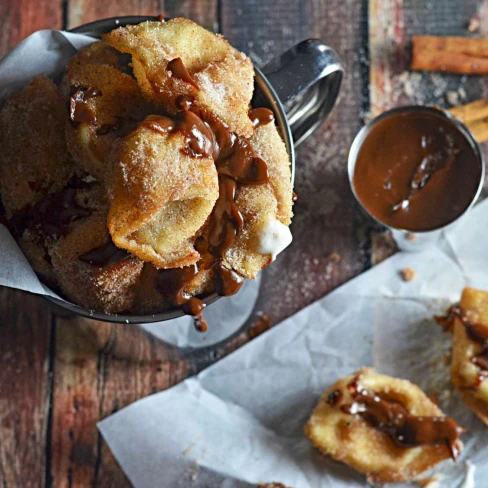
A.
pixel 223 74
pixel 120 100
pixel 474 305
pixel 261 204
pixel 351 440
pixel 161 198
pixel 34 160
pixel 110 289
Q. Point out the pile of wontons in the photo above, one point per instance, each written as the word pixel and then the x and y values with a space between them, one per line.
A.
pixel 111 181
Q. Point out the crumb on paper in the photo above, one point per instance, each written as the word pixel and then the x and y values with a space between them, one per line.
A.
pixel 411 236
pixel 408 274
pixel 474 24
pixel 189 449
pixel 272 485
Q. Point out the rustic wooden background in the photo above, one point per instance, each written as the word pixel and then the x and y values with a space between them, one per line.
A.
pixel 59 375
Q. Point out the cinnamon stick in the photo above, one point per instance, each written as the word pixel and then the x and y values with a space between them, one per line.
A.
pixel 450 54
pixel 475 116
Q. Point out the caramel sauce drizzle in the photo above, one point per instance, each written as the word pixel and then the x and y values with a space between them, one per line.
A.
pixel 475 331
pixel 79 111
pixel 393 418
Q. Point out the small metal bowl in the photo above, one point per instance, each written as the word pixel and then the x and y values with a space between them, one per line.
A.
pixel 307 77
pixel 426 237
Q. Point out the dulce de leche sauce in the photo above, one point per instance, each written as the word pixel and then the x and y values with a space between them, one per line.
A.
pixel 416 171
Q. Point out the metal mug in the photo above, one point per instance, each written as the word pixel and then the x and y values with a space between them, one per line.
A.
pixel 306 79
pixel 426 238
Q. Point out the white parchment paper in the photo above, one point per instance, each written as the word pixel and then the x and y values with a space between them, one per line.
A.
pixel 48 52
pixel 240 421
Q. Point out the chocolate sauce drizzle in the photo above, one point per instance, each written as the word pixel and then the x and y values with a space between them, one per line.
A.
pixel 172 283
pixel 178 70
pixel 206 135
pixel 51 217
pixel 106 255
pixel 261 116
pixel 475 331
pixel 79 111
pixel 393 418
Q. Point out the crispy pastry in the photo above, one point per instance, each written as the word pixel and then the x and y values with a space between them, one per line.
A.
pixel 469 367
pixel 34 160
pixel 162 197
pixel 384 427
pixel 180 58
pixel 94 272
pixel 104 104
pixel 142 192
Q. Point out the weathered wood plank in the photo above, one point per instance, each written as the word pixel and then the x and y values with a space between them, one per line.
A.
pixel 83 11
pixel 24 388
pixel 98 369
pixel 18 19
pixel 26 320
pixel 326 219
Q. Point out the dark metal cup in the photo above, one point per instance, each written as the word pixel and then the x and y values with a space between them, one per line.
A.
pixel 306 79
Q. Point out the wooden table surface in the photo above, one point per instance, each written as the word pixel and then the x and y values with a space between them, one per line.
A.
pixel 59 375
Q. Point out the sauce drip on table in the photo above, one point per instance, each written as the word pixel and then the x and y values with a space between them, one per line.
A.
pixel 393 418
pixel 416 171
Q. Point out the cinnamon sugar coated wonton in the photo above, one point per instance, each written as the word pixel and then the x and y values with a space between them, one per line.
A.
pixel 384 427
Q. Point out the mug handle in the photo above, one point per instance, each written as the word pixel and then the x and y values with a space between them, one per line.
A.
pixel 307 79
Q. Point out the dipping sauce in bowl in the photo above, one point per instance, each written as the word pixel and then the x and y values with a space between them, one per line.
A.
pixel 416 168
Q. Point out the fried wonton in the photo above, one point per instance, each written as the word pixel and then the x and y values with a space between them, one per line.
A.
pixel 469 368
pixel 106 285
pixel 262 205
pixel 339 427
pixel 219 77
pixel 161 198
pixel 104 104
pixel 34 160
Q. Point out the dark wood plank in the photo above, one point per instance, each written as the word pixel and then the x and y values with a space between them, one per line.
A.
pixel 26 320
pixel 203 12
pixel 98 369
pixel 18 19
pixel 24 388
pixel 327 219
